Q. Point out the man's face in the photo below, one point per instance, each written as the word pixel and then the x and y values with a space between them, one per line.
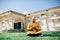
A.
pixel 34 19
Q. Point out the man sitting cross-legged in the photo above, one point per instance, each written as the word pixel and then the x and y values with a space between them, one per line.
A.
pixel 34 28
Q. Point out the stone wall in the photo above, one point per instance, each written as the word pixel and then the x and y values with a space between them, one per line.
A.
pixel 46 18
pixel 8 19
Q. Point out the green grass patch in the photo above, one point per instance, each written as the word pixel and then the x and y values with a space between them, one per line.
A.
pixel 23 36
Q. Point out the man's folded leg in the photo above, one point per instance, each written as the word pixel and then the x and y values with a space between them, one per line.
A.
pixel 31 33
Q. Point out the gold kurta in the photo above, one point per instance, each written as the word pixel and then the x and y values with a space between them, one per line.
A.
pixel 34 28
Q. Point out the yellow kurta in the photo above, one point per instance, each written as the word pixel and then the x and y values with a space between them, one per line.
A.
pixel 35 30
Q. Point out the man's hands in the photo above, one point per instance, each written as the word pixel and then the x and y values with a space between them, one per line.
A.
pixel 34 27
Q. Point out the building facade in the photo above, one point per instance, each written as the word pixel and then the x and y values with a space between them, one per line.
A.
pixel 11 20
pixel 48 19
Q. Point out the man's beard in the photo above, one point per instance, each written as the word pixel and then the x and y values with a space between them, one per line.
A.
pixel 33 21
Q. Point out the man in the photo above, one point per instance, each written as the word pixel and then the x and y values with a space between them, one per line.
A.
pixel 34 28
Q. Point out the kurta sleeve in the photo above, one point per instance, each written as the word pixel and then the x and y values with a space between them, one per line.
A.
pixel 29 27
pixel 38 26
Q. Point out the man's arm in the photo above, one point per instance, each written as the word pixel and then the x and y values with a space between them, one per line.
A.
pixel 29 28
pixel 38 27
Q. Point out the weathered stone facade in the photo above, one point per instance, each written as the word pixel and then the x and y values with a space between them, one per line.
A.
pixel 7 20
pixel 48 19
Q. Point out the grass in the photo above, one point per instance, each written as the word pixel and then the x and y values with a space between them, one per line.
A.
pixel 22 36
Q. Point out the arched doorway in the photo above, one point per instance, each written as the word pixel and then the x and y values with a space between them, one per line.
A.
pixel 18 24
